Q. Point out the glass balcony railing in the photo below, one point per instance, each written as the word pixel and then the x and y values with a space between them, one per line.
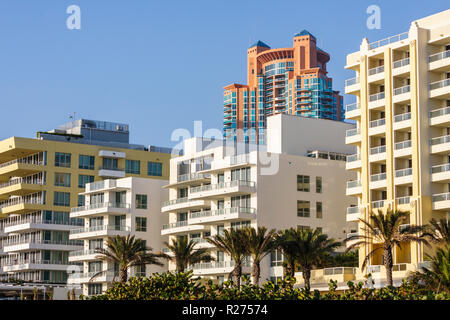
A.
pixel 376 96
pixel 376 70
pixel 353 157
pixel 401 90
pixel 377 123
pixel 402 145
pixel 353 106
pixel 441 197
pixel 440 140
pixel 386 41
pixel 352 132
pixel 219 212
pixel 378 204
pixel 81 253
pixel 175 225
pixel 352 81
pixel 101 205
pixel 400 63
pixel 352 210
pixel 439 112
pixel 175 201
pixel 192 176
pixel 378 150
pixel 223 185
pixel 404 200
pixel 403 172
pixel 439 84
pixel 378 177
pixel 402 117
pixel 353 184
pixel 100 228
pixel 440 168
pixel 439 56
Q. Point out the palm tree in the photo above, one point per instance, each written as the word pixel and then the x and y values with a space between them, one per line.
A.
pixel 259 243
pixel 232 243
pixel 285 241
pixel 126 252
pixel 313 249
pixel 385 229
pixel 184 254
pixel 440 230
pixel 436 278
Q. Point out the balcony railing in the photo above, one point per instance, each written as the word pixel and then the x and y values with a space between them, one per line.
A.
pixel 352 132
pixel 11 242
pixel 377 123
pixel 353 106
pixel 439 112
pixel 26 160
pixel 109 274
pixel 40 220
pixel 192 176
pixel 101 185
pixel 376 96
pixel 338 270
pixel 401 63
pixel 378 177
pixel 222 185
pixel 22 180
pixel 110 168
pixel 101 205
pixel 439 56
pixel 403 172
pixel 352 210
pixel 175 225
pixel 81 253
pixel 352 81
pixel 376 70
pixel 404 200
pixel 402 117
pixel 404 89
pixel 441 197
pixel 440 140
pixel 378 150
pixel 378 204
pixel 175 201
pixel 239 159
pixel 353 157
pixel 33 261
pixel 353 184
pixel 217 264
pixel 402 145
pixel 22 200
pixel 100 228
pixel 440 168
pixel 440 84
pixel 223 211
pixel 389 40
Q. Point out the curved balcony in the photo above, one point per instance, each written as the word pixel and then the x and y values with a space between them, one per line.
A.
pixel 231 188
pixel 181 227
pixel 100 209
pixel 99 231
pixel 227 214
pixel 181 204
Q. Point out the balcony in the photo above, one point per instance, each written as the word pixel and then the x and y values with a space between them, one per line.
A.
pixel 353 162
pixel 389 40
pixel 377 154
pixel 440 89
pixel 100 185
pixel 402 121
pixel 182 204
pixel 202 243
pixel 352 85
pixel 376 100
pixel 440 117
pixel 231 188
pixel 30 224
pixel 21 186
pixel 400 67
pixel 99 232
pixel 83 255
pixel 378 181
pixel 353 188
pixel 320 278
pixel 403 176
pixel 377 127
pixel 100 209
pixel 353 136
pixel 227 214
pixel 79 278
pixel 402 149
pixel 17 205
pixel 21 167
pixel 440 145
pixel 18 245
pixel 353 214
pixel 441 201
pixel 181 227
pixel 377 204
pixel 376 70
pixel 217 268
pixel 189 178
pixel 110 172
pixel 439 61
pixel 401 94
pixel 233 162
pixel 352 110
pixel 399 272
pixel 440 173
pixel 38 264
pixel 403 201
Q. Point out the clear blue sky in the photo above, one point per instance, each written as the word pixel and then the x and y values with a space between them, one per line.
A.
pixel 160 65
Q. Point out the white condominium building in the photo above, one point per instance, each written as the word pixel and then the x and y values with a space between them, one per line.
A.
pixel 115 207
pixel 298 180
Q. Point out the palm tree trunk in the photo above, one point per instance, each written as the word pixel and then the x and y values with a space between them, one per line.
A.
pixel 180 267
pixel 306 276
pixel 123 275
pixel 388 264
pixel 238 274
pixel 256 271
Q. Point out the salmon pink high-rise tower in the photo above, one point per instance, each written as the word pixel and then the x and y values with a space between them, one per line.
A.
pixel 284 80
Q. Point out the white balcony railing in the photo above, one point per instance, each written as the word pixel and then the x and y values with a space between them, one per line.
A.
pixel 209 213
pixel 353 106
pixel 401 90
pixel 400 63
pixel 403 200
pixel 378 177
pixel 441 197
pixel 403 172
pixel 352 132
pixel 440 140
pixel 402 117
pixel 175 225
pixel 175 201
pixel 439 56
pixel 439 84
pixel 100 228
pixel 440 168
pixel 402 145
pixel 376 96
pixel 376 70
pixel 101 205
pixel 352 81
pixel 378 150
pixel 377 123
pixel 386 41
pixel 222 185
pixel 439 112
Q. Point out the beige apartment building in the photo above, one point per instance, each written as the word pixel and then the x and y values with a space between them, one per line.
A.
pixel 297 180
pixel 402 136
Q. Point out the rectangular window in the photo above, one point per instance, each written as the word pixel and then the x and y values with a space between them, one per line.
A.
pixel 61 199
pixel 86 162
pixel 242 174
pixel 110 164
pixel 95 244
pixel 319 210
pixel 276 258
pixel 133 166
pixel 318 184
pixel 141 201
pixel 94 289
pixel 154 169
pixel 83 179
pixel 141 224
pixel 62 159
pixel 62 179
pixel 303 228
pixel 302 183
pixel 81 200
pixel 302 208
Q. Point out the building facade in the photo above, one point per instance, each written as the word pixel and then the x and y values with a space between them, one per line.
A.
pixel 284 80
pixel 40 180
pixel 122 207
pixel 218 185
pixel 402 111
